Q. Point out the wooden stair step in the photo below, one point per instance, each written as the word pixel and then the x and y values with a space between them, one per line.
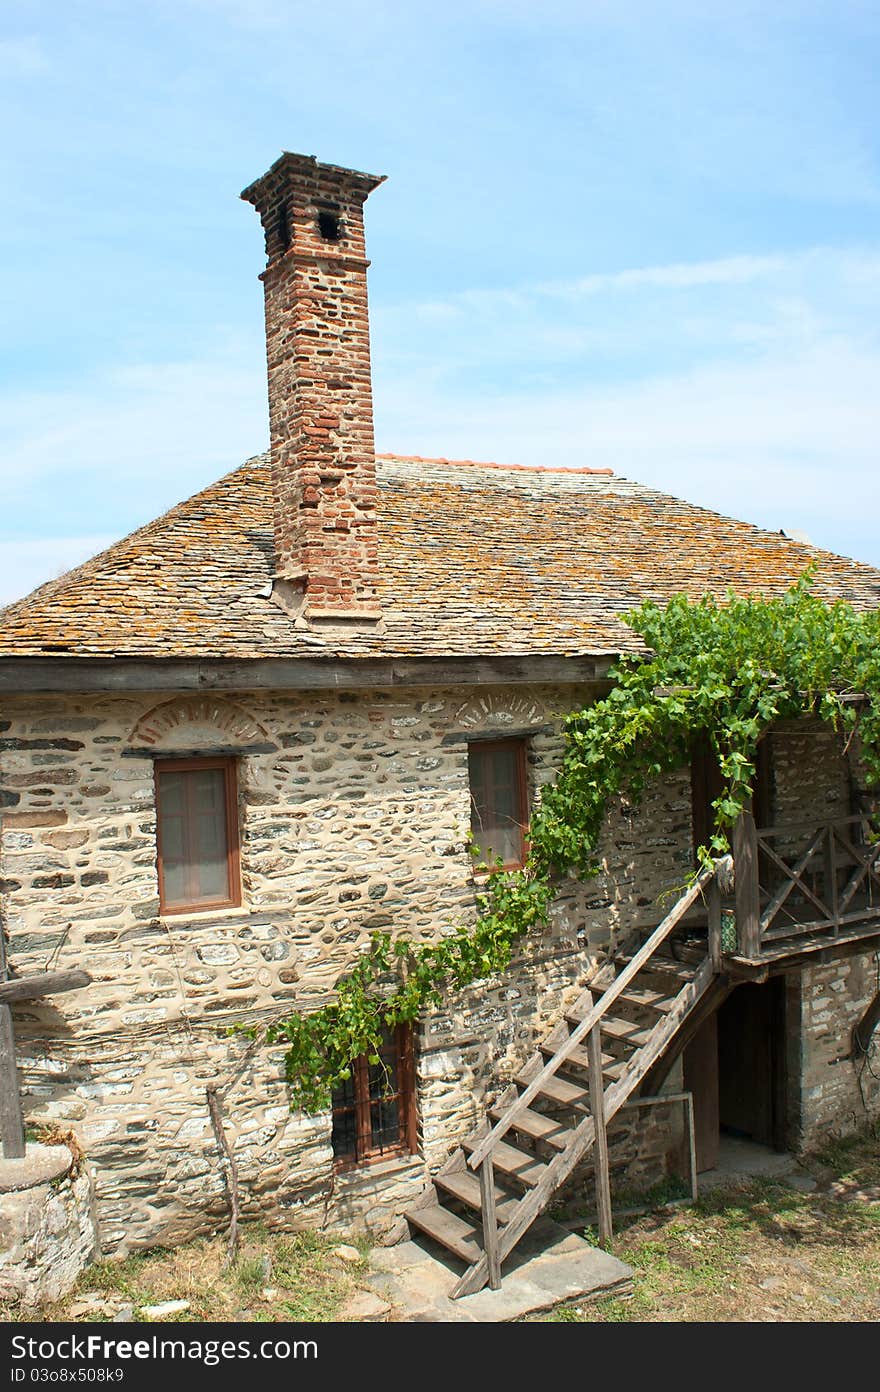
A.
pixel 663 967
pixel 456 1234
pixel 515 1164
pixel 645 997
pixel 690 952
pixel 577 1055
pixel 617 1028
pixel 560 1091
pixel 578 1058
pixel 464 1185
pixel 536 1126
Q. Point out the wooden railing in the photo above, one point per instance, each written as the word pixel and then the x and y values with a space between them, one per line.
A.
pixel 602 1104
pixel 794 881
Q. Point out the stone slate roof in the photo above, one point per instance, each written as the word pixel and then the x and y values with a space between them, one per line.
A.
pixel 475 559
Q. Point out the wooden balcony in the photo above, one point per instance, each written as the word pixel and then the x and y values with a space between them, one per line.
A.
pixel 802 888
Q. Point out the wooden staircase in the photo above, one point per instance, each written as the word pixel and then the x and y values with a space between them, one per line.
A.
pixel 494 1186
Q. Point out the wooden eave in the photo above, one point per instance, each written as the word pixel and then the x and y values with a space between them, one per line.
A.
pixel 26 675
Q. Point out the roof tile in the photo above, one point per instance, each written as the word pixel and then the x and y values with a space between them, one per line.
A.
pixel 474 558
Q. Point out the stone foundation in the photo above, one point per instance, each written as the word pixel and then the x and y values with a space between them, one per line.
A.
pixel 47 1231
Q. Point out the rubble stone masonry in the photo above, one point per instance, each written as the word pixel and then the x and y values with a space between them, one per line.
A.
pixel 354 809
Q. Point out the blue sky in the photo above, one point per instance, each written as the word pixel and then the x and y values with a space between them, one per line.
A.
pixel 637 235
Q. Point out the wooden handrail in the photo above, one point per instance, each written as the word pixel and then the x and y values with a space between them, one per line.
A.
pixel 825 839
pixel 786 829
pixel 501 1127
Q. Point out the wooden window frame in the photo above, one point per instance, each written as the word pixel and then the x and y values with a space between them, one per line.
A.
pixel 233 853
pixel 522 787
pixel 365 1152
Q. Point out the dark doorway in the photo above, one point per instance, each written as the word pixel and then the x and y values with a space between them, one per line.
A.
pixel 751 1063
pixel 735 1067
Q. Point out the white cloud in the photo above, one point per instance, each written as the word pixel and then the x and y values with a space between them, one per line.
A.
pixel 728 270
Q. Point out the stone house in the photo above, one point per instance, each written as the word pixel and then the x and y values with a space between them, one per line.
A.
pixel 259 728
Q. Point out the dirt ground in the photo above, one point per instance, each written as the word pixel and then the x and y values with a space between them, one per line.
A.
pixel 757 1251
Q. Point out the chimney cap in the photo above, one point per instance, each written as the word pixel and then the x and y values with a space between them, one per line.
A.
pixel 299 165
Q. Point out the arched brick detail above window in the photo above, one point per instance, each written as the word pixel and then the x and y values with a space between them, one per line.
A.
pixel 207 722
pixel 499 710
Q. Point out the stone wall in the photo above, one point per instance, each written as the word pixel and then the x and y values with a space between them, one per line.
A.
pixel 835 1091
pixel 354 809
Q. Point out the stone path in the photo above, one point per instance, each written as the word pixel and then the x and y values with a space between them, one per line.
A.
pixel 550 1267
pixel 740 1159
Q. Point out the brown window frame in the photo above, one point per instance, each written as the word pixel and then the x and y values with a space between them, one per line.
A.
pixel 233 852
pixel 366 1153
pixel 522 788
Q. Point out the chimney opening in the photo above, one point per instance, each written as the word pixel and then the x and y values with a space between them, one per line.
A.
pixel 329 226
pixel 283 228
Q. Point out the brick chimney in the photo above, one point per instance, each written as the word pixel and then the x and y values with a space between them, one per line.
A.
pixel 320 392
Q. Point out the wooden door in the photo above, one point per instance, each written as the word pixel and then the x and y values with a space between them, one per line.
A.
pixel 700 1066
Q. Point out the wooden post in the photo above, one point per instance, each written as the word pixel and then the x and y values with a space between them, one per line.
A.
pixel 11 1119
pixel 830 876
pixel 14 989
pixel 600 1145
pixel 490 1222
pixel 11 1116
pixel 692 1145
pixel 714 908
pixel 747 890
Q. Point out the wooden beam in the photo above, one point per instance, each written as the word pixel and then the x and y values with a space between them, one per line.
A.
pixel 600 1144
pixel 746 888
pixel 714 928
pixel 41 984
pixel 76 674
pixel 11 1119
pixel 490 1222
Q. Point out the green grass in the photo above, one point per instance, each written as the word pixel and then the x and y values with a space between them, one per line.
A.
pixel 760 1251
pixel 305 1279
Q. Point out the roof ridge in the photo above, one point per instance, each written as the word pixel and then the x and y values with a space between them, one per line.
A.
pixel 488 464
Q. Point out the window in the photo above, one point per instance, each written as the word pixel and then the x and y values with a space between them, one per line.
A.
pixel 374 1113
pixel 197 829
pixel 499 802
